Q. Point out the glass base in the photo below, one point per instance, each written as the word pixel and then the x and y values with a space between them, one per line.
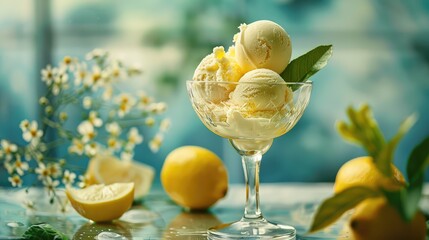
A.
pixel 251 229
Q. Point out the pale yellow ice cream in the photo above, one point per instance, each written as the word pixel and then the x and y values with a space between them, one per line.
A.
pixel 265 91
pixel 219 66
pixel 262 44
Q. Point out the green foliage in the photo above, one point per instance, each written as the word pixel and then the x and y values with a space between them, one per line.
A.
pixel 303 67
pixel 43 231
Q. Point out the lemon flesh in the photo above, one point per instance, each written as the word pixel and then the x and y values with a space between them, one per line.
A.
pixel 102 203
pixel 106 169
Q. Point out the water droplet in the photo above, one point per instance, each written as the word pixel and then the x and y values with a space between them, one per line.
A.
pixel 110 236
pixel 15 224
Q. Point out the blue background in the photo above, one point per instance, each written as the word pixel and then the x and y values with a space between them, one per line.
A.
pixel 381 57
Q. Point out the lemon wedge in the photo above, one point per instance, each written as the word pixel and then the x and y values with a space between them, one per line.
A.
pixel 107 169
pixel 102 203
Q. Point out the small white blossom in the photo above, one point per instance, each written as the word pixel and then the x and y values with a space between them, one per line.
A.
pixel 95 80
pixel 50 185
pixel 60 83
pixel 63 116
pixel 143 100
pixel 19 166
pixel 113 129
pixel 158 108
pixel 96 54
pixel 94 119
pixel 87 102
pixel 134 138
pixel 156 142
pixel 15 180
pixel 113 144
pixel 68 177
pixel 8 149
pixel 24 125
pixel 91 149
pixel 127 156
pixel 80 74
pixel 28 204
pixel 43 101
pixel 69 63
pixel 32 133
pixel 84 181
pixel 165 125
pixel 125 103
pixel 48 74
pixel 42 171
pixel 86 129
pixel 77 147
pixel 54 169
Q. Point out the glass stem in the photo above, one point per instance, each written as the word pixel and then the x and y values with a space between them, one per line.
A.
pixel 251 166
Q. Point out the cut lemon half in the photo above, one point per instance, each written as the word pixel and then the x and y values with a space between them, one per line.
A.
pixel 102 203
pixel 107 169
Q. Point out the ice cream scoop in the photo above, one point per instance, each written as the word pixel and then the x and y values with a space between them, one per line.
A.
pixel 219 66
pixel 263 44
pixel 265 91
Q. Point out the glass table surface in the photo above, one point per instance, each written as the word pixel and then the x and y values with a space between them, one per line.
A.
pixel 157 217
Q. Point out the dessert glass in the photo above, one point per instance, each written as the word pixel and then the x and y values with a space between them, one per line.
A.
pixel 250 115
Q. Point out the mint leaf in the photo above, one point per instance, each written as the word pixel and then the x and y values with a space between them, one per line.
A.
pixel 332 208
pixel 43 231
pixel 302 68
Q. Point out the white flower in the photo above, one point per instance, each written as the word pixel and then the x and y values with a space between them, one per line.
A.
pixel 94 119
pixel 48 74
pixel 42 171
pixel 80 74
pixel 158 108
pixel 95 80
pixel 77 147
pixel 108 92
pixel 68 177
pixel 54 169
pixel 87 102
pixel 60 83
pixel 19 166
pixel 50 185
pixel 134 138
pixel 15 180
pixel 113 144
pixel 114 129
pixel 125 103
pixel 156 142
pixel 8 148
pixel 84 181
pixel 9 167
pixel 144 100
pixel 32 133
pixel 127 156
pixel 150 121
pixel 165 125
pixel 69 62
pixel 96 54
pixel 91 149
pixel 43 101
pixel 86 129
pixel 24 125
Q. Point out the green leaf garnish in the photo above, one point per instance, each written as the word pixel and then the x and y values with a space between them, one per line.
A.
pixel 43 231
pixel 302 68
pixel 364 130
pixel 332 208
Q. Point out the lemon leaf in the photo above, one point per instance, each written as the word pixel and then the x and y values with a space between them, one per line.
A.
pixel 332 208
pixel 302 68
pixel 418 161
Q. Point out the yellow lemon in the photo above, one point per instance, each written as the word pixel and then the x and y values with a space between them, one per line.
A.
pixel 194 177
pixel 102 203
pixel 107 169
pixel 375 219
pixel 363 171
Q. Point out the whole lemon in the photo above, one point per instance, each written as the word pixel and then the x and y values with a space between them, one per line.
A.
pixel 363 171
pixel 194 177
pixel 375 219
